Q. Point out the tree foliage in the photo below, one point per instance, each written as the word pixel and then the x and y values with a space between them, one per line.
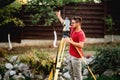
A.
pixel 9 13
pixel 44 9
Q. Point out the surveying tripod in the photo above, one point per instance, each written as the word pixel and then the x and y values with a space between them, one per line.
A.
pixel 57 66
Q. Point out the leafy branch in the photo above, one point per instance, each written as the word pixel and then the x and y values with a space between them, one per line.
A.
pixel 10 12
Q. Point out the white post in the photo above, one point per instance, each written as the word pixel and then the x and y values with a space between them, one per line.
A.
pixel 55 39
pixel 9 41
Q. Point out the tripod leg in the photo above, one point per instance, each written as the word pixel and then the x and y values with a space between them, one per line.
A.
pixel 60 58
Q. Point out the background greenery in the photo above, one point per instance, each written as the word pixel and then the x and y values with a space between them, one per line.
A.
pixel 10 13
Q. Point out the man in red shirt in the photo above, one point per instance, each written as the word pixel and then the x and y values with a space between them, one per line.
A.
pixel 77 39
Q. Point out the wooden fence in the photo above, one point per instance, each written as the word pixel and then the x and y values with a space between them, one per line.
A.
pixel 93 22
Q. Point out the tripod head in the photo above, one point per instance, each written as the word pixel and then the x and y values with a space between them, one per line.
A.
pixel 66 28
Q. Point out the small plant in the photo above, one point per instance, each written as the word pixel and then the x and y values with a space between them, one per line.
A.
pixel 109 22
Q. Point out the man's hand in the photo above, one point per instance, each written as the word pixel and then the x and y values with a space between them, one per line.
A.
pixel 68 40
pixel 58 14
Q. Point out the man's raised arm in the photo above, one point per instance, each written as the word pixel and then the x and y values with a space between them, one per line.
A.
pixel 58 14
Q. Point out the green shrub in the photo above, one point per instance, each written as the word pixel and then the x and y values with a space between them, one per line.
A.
pixel 39 61
pixel 107 58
